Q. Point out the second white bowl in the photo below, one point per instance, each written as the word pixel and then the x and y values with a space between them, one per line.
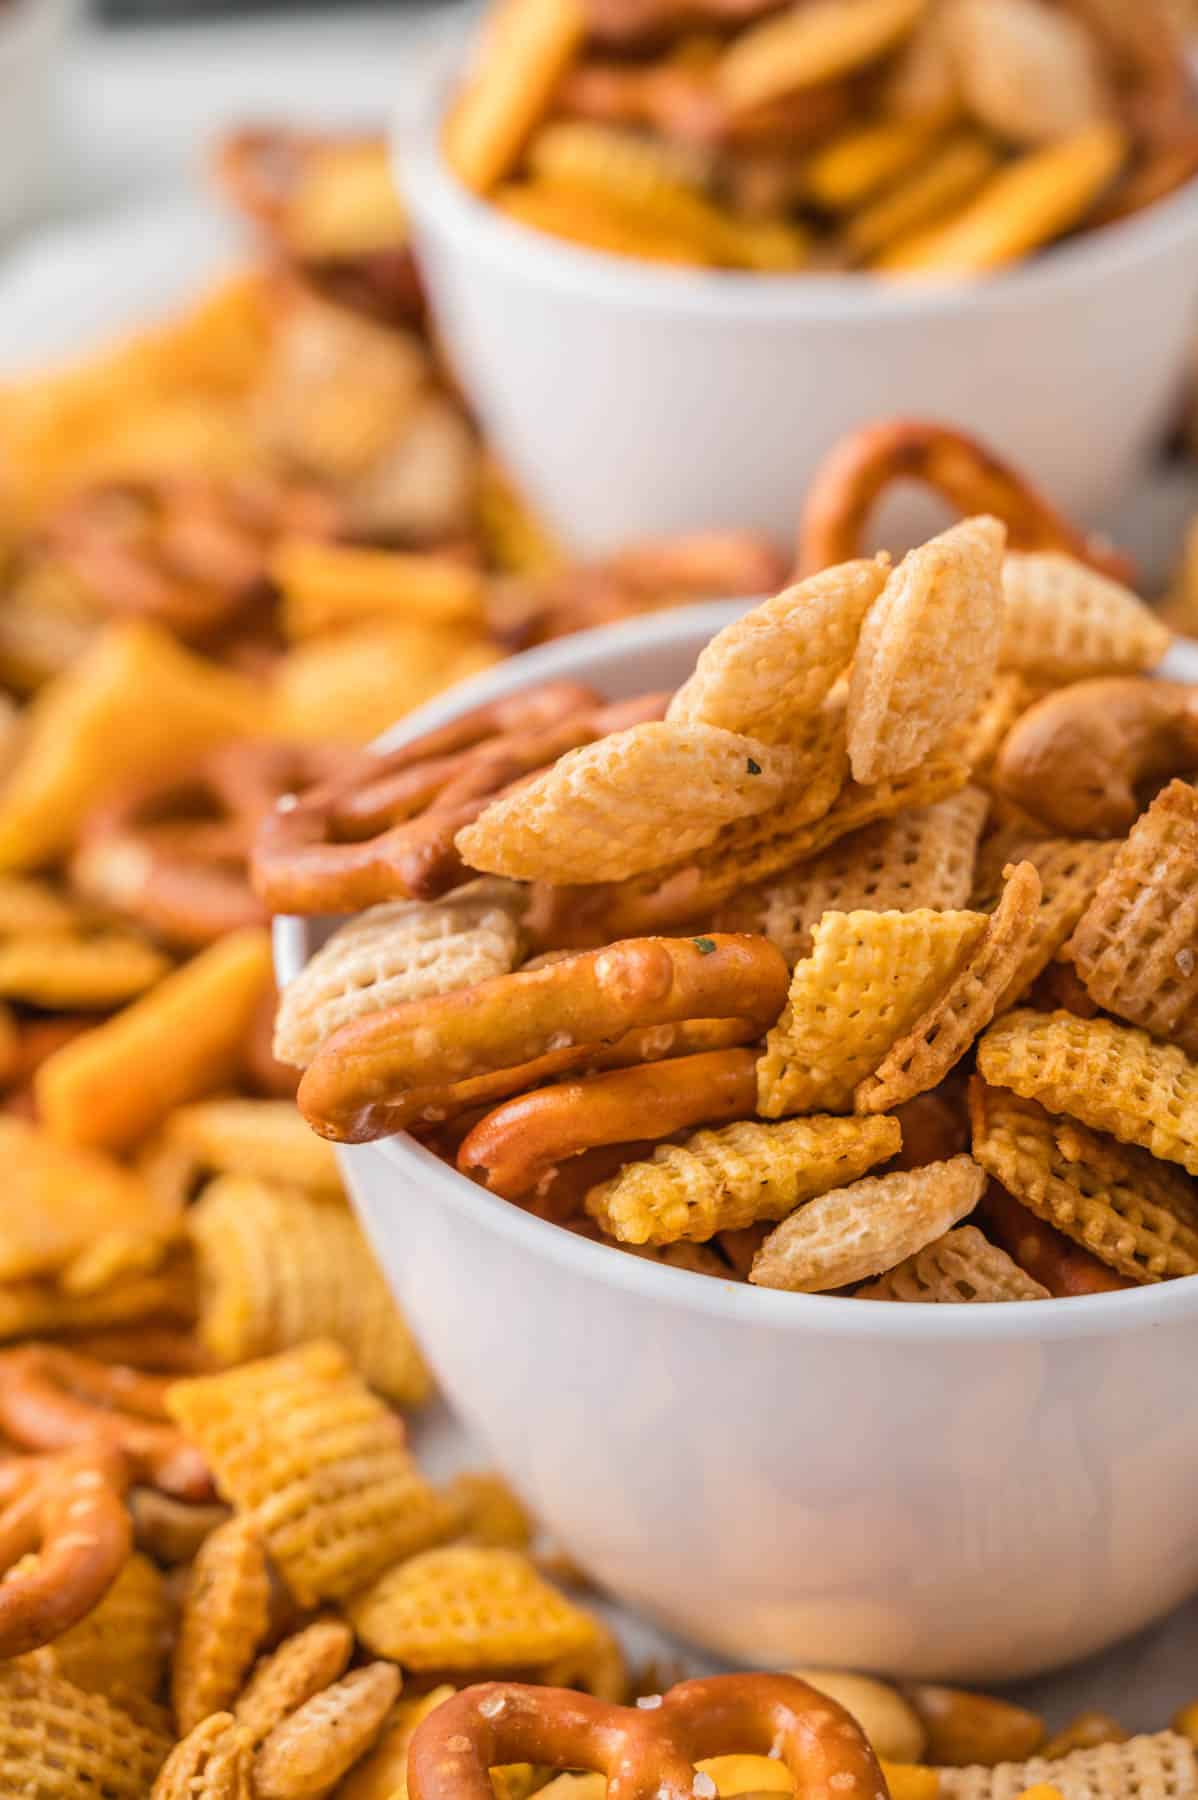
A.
pixel 972 1493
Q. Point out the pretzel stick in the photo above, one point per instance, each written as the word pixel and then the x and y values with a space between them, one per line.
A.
pixel 853 476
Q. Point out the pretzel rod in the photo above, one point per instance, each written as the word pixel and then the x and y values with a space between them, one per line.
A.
pixel 70 1509
pixel 55 1399
pixel 646 1753
pixel 854 475
pixel 413 1062
pixel 515 1149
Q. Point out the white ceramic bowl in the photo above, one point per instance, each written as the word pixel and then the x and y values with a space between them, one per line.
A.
pixel 629 399
pixel 31 37
pixel 972 1493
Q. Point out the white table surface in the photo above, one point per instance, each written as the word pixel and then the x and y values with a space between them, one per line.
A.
pixel 140 105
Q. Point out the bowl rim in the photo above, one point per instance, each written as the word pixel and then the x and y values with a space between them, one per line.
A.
pixel 431 190
pixel 1092 1315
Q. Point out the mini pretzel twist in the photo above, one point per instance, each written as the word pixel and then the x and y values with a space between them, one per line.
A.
pixel 389 834
pixel 186 552
pixel 1078 759
pixel 516 1149
pixel 55 1399
pixel 426 1060
pixel 173 852
pixel 646 1752
pixel 70 1510
pixel 971 477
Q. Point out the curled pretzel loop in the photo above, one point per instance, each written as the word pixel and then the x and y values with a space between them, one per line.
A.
pixel 516 1150
pixel 388 833
pixel 174 852
pixel 70 1510
pixel 55 1399
pixel 186 552
pixel 966 473
pixel 1079 758
pixel 646 1753
pixel 425 1060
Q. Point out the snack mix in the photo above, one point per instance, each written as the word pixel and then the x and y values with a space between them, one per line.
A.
pixel 913 138
pixel 231 551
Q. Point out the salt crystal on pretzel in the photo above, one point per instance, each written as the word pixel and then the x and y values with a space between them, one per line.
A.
pixel 213 1762
pixel 120 1646
pixel 70 1510
pixel 462 1607
pixel 1080 757
pixel 1157 1767
pixel 626 803
pixel 912 679
pixel 278 1266
pixel 867 1228
pixel 427 1058
pixel 1065 622
pixel 724 1180
pixel 299 1440
pixel 403 950
pixel 870 975
pixel 1029 73
pixel 223 1619
pixel 302 1666
pixel 961 1268
pixel 1107 1076
pixel 311 1750
pixel 770 670
pixel 57 1742
pixel 1138 1215
pixel 922 858
pixel 1136 945
pixel 940 1037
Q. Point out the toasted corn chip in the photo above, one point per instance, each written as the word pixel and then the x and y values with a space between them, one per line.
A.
pixel 961 1267
pixel 307 1753
pixel 213 1762
pixel 1070 871
pixel 383 1774
pixel 869 977
pixel 768 672
pixel 300 1441
pixel 627 803
pixel 868 1228
pixel 490 1514
pixel 58 1743
pixel 120 1647
pixel 723 1180
pixel 113 1085
pixel 327 586
pixel 350 685
pixel 523 56
pixel 1136 945
pixel 809 45
pixel 1138 1215
pixel 1028 71
pixel 40 1309
pixel 846 172
pixel 888 1721
pixel 1065 622
pixel 224 1618
pixel 944 1032
pixel 278 1267
pixel 1085 1732
pixel 1023 207
pixel 466 1608
pixel 950 177
pixel 57 1201
pixel 1161 1766
pixel 91 729
pixel 404 950
pixel 302 1666
pixel 922 858
pixel 910 682
pixel 1110 1077
pixel 264 1138
pixel 102 969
